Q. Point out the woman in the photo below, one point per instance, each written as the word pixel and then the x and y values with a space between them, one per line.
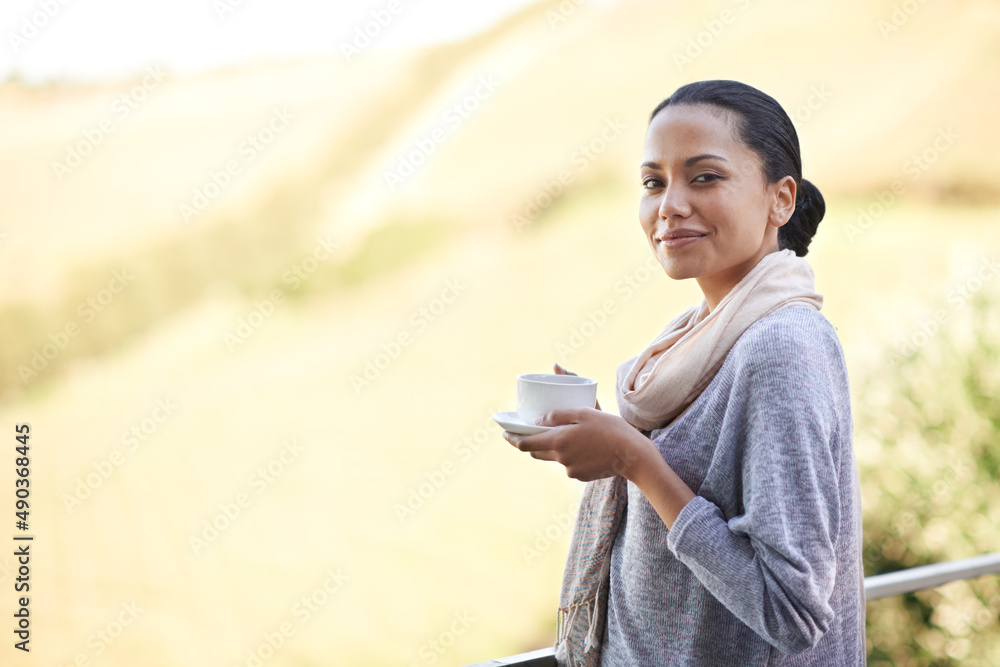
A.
pixel 720 523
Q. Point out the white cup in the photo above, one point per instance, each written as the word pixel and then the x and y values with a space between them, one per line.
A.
pixel 537 393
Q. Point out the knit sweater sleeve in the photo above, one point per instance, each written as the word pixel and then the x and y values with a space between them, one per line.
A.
pixel 773 565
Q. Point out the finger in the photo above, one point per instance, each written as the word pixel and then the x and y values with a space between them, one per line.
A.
pixel 591 476
pixel 559 417
pixel 544 455
pixel 526 443
pixel 512 438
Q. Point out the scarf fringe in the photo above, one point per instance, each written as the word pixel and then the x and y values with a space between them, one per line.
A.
pixel 565 621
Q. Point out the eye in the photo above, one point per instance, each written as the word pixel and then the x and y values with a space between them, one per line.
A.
pixel 708 178
pixel 651 183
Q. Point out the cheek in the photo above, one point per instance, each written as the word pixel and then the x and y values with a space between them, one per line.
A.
pixel 648 208
pixel 727 212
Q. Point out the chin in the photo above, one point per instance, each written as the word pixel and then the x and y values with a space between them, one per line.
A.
pixel 681 275
pixel 678 268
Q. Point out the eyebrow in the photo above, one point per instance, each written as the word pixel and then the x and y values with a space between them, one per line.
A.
pixel 688 162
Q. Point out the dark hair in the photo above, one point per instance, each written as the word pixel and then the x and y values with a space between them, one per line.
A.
pixel 766 129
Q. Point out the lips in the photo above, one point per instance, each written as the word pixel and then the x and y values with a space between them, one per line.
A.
pixel 678 233
pixel 677 238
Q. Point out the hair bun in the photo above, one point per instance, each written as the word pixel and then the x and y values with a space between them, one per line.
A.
pixel 810 207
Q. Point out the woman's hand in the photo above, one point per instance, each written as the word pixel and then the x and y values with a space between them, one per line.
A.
pixel 591 444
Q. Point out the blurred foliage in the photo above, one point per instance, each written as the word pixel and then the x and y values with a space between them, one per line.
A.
pixel 933 416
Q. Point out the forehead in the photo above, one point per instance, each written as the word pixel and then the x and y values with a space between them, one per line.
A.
pixel 684 130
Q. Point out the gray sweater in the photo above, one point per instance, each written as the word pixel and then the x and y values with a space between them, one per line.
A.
pixel 763 566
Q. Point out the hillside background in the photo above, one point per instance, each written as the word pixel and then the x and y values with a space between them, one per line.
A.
pixel 267 425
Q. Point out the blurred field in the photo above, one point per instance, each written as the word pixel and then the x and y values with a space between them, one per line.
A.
pixel 438 542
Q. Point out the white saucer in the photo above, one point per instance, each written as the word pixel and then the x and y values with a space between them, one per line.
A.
pixel 511 422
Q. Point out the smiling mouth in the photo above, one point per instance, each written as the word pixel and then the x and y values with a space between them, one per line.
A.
pixel 679 241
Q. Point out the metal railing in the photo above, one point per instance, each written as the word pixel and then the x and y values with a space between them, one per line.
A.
pixel 877 586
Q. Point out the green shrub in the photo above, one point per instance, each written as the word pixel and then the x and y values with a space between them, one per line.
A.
pixel 931 420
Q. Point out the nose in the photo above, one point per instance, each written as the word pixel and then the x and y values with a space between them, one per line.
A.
pixel 674 203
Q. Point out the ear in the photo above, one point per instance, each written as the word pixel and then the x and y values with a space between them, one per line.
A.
pixel 783 203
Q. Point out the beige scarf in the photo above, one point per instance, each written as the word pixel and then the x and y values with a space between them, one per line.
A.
pixel 652 389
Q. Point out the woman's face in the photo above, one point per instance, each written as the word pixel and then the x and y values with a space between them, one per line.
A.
pixel 697 176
